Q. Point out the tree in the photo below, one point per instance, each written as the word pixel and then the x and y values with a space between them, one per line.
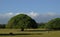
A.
pixel 41 25
pixel 21 21
pixel 2 26
pixel 54 24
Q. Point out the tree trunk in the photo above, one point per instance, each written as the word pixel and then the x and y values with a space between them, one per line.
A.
pixel 22 29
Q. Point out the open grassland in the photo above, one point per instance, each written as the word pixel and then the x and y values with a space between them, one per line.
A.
pixel 29 33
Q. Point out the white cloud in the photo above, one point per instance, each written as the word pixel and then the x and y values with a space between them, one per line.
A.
pixel 10 13
pixel 51 14
pixel 17 13
pixel 35 15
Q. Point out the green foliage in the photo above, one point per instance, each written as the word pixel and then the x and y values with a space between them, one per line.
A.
pixel 2 26
pixel 54 24
pixel 21 20
pixel 41 25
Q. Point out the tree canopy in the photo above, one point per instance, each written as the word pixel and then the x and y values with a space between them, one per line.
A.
pixel 54 24
pixel 21 20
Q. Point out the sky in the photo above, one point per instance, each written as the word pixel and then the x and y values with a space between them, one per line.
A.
pixel 39 10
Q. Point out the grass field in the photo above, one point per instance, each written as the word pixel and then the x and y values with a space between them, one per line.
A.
pixel 29 33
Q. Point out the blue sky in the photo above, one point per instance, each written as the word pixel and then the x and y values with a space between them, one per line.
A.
pixel 42 9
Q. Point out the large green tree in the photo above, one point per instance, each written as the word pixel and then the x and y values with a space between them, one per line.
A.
pixel 54 24
pixel 21 21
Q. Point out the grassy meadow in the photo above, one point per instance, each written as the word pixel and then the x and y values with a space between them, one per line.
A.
pixel 29 33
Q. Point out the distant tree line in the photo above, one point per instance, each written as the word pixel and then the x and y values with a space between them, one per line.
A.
pixel 23 21
pixel 2 26
pixel 53 24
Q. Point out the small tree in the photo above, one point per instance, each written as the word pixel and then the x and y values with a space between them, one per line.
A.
pixel 2 26
pixel 41 25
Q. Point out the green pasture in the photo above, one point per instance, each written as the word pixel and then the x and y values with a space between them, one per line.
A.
pixel 29 33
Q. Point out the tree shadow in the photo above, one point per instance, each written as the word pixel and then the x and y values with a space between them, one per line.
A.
pixel 11 34
pixel 36 30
